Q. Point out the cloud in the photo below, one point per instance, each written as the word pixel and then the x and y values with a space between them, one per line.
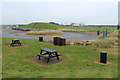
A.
pixel 59 0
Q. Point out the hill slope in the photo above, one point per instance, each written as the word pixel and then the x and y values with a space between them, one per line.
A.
pixel 44 26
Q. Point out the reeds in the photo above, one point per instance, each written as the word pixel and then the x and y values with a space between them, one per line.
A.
pixel 109 42
pixel 44 33
pixel 114 34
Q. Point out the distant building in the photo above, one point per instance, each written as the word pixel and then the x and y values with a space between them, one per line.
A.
pixel 74 25
pixel 77 24
pixel 102 25
pixel 53 23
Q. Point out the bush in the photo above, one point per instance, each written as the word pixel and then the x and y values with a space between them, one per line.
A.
pixel 108 42
pixel 114 34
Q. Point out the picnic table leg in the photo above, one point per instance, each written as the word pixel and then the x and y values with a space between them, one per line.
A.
pixel 12 45
pixel 57 55
pixel 20 44
pixel 41 51
pixel 39 58
pixel 49 56
pixel 48 60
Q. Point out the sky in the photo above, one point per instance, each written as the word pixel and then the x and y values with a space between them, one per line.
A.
pixel 61 11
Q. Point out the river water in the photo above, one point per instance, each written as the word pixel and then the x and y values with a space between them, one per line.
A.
pixel 70 36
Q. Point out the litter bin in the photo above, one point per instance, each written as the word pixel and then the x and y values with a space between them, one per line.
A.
pixel 98 32
pixel 41 39
pixel 103 57
pixel 56 40
pixel 62 42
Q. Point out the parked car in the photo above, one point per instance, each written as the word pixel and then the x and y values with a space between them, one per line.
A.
pixel 17 28
pixel 14 28
pixel 20 28
pixel 25 29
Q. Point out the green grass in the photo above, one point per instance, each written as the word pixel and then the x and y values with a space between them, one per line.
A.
pixel 80 65
pixel 53 26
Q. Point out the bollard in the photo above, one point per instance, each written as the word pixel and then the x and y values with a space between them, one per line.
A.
pixel 56 40
pixel 98 32
pixel 103 57
pixel 41 39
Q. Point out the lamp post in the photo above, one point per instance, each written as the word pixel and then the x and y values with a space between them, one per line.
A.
pixel 118 27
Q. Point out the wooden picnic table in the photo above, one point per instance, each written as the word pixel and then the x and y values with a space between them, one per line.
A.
pixel 15 41
pixel 49 54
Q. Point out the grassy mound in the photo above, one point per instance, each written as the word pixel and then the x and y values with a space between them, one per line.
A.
pixel 53 26
pixel 44 33
pixel 43 26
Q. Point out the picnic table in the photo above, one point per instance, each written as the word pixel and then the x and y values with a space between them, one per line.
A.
pixel 15 41
pixel 49 54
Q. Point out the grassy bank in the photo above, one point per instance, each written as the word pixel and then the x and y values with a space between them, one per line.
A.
pixel 53 26
pixel 80 65
pixel 44 33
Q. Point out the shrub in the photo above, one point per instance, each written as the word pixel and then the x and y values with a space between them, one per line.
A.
pixel 114 34
pixel 108 42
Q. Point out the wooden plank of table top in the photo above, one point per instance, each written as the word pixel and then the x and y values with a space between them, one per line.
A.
pixel 48 50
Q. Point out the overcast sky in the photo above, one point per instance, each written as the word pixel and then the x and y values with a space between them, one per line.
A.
pixel 62 11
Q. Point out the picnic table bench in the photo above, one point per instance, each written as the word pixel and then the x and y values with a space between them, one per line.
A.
pixel 15 41
pixel 49 54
